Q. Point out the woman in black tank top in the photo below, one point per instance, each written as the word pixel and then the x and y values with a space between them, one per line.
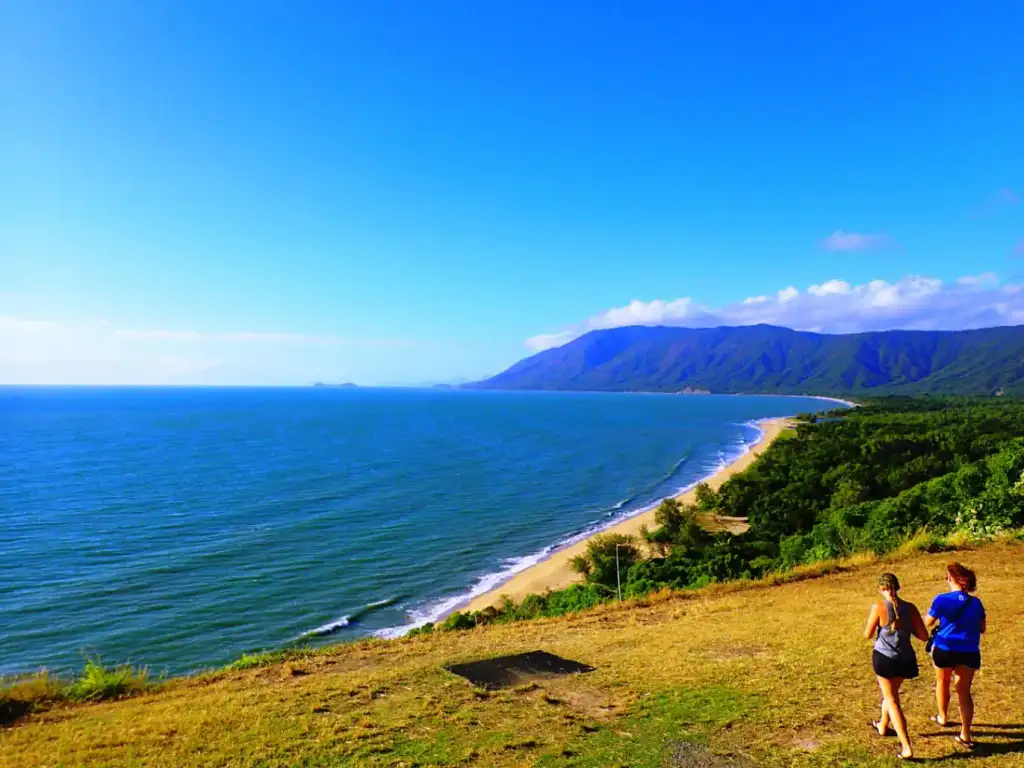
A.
pixel 891 624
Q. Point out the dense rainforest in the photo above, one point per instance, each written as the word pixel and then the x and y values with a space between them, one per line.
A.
pixel 866 479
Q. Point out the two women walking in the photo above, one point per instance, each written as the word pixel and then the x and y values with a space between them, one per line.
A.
pixel 956 621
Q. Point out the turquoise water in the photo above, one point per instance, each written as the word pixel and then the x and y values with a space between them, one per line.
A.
pixel 178 528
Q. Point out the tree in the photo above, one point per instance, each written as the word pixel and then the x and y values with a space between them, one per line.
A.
pixel 677 524
pixel 707 500
pixel 598 563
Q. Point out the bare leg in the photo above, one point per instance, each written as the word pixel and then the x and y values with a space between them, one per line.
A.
pixel 882 726
pixel 964 678
pixel 942 678
pixel 891 694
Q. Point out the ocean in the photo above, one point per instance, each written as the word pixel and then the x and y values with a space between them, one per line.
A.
pixel 177 528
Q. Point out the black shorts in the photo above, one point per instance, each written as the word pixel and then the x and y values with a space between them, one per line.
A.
pixel 889 668
pixel 949 659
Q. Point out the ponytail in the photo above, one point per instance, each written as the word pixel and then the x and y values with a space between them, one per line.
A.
pixel 891 584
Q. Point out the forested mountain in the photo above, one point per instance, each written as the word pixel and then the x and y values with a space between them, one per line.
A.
pixel 769 359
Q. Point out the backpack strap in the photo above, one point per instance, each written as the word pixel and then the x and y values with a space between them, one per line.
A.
pixel 960 612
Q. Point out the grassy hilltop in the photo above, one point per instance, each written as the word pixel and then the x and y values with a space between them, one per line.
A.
pixel 756 675
pixel 730 650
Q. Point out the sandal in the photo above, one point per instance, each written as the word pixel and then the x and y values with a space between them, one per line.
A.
pixel 963 743
pixel 940 723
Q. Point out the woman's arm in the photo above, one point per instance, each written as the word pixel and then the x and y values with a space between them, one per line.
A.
pixel 872 625
pixel 917 625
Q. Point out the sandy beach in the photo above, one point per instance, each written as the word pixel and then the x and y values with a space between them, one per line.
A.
pixel 555 572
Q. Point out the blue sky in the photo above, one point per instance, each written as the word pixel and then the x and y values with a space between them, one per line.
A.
pixel 275 193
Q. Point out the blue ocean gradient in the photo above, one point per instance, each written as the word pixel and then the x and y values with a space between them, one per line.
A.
pixel 178 528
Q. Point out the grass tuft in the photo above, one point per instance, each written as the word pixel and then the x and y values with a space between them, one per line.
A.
pixel 99 683
pixel 23 696
pixel 268 658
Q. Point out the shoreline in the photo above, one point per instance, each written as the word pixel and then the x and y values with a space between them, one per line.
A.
pixel 553 571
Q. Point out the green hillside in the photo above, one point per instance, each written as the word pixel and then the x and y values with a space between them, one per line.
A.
pixel 767 359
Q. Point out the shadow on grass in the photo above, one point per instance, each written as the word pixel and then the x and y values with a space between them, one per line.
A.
pixel 989 750
pixel 13 710
pixel 1009 743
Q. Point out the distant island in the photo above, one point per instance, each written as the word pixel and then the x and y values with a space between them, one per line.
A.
pixel 343 385
pixel 765 359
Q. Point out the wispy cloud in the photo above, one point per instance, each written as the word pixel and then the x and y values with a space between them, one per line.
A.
pixel 24 326
pixel 854 241
pixel 242 336
pixel 834 306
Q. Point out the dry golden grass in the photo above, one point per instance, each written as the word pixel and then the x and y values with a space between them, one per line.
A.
pixel 773 673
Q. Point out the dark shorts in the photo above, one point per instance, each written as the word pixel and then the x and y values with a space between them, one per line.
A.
pixel 890 668
pixel 949 659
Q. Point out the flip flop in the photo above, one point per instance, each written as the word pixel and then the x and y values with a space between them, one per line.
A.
pixel 940 723
pixel 965 744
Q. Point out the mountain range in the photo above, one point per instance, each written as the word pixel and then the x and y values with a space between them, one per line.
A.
pixel 769 359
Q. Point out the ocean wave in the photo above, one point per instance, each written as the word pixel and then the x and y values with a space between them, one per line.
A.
pixel 329 628
pixel 333 626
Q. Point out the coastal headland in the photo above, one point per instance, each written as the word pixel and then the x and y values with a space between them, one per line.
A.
pixel 555 572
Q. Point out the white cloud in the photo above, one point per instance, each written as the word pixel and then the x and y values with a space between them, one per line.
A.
pixel 854 241
pixel 787 294
pixel 830 287
pixel 982 279
pixel 834 306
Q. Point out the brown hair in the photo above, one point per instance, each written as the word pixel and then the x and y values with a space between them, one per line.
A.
pixel 963 576
pixel 889 581
pixel 891 584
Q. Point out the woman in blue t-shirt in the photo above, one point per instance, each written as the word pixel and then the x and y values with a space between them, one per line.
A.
pixel 960 619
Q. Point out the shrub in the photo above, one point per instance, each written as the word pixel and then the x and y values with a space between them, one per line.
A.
pixel 98 682
pixel 256 660
pixel 459 620
pixel 426 629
